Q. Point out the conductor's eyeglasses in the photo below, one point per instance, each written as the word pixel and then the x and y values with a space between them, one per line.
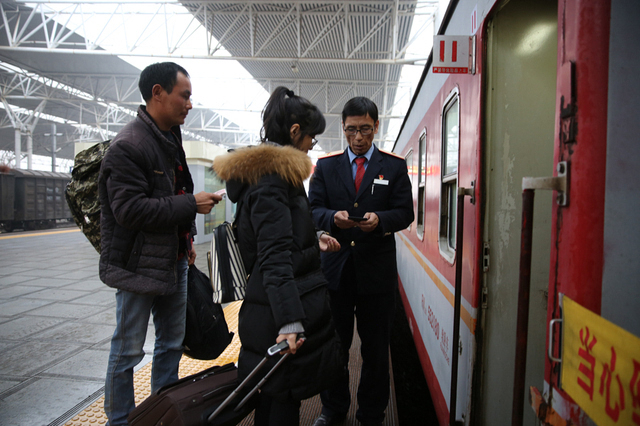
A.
pixel 364 131
pixel 314 142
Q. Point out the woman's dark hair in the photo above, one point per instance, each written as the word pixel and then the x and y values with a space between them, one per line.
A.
pixel 163 73
pixel 283 110
pixel 360 106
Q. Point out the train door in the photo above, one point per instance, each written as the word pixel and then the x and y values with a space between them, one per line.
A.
pixel 520 88
pixel 621 269
pixel 595 236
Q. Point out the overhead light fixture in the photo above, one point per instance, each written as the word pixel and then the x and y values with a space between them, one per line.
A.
pixel 294 68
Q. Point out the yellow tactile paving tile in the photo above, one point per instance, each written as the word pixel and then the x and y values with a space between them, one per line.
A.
pixel 94 413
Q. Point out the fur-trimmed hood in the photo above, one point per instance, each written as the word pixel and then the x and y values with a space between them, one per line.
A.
pixel 248 165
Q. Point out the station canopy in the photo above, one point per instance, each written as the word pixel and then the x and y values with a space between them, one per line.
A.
pixel 69 69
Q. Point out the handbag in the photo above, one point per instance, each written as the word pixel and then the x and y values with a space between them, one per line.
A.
pixel 226 268
pixel 207 334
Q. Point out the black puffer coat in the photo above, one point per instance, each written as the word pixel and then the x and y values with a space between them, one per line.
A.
pixel 279 247
pixel 140 215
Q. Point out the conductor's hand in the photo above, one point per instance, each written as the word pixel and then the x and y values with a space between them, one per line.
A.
pixel 341 219
pixel 328 243
pixel 206 200
pixel 294 342
pixel 370 224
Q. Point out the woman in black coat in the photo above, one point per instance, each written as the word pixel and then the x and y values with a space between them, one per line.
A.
pixel 286 292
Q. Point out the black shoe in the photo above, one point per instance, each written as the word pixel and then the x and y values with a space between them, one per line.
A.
pixel 327 420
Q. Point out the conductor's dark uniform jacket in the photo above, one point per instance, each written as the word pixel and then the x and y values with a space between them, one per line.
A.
pixel 386 191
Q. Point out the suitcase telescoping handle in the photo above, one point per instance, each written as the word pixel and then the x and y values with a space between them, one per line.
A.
pixel 273 350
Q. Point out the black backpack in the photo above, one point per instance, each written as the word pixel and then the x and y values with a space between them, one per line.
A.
pixel 82 192
pixel 207 334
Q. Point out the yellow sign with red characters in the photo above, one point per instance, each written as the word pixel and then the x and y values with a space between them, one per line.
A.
pixel 600 366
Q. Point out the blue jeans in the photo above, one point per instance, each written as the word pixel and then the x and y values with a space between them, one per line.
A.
pixel 132 311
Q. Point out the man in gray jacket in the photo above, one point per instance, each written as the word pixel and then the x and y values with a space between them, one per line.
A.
pixel 147 223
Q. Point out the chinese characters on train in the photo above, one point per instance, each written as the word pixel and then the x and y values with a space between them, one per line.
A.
pixel 600 377
pixel 441 335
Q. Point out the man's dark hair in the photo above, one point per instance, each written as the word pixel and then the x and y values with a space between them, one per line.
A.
pixel 359 106
pixel 163 73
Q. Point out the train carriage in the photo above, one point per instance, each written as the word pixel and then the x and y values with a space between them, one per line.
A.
pixel 33 199
pixel 548 92
pixel 7 196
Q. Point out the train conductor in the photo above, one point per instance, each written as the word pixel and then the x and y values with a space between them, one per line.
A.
pixel 361 196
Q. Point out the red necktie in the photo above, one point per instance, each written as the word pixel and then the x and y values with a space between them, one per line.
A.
pixel 359 172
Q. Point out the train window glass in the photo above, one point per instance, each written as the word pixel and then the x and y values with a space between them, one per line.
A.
pixel 450 152
pixel 451 232
pixel 410 170
pixel 449 169
pixel 423 157
pixel 409 160
pixel 422 178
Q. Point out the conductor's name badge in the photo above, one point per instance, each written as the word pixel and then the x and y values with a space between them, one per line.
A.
pixel 380 182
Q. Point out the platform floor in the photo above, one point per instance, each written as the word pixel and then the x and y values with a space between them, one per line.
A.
pixel 56 321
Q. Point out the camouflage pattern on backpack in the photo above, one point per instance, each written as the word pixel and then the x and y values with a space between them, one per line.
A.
pixel 82 191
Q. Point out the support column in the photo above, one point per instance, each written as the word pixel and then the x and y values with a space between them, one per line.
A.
pixel 53 147
pixel 18 148
pixel 29 151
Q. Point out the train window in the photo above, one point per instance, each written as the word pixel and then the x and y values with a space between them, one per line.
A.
pixel 449 170
pixel 422 178
pixel 409 160
pixel 423 158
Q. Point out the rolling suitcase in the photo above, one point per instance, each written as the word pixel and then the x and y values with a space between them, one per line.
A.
pixel 210 397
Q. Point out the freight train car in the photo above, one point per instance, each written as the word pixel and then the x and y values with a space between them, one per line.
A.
pixel 7 197
pixel 524 97
pixel 33 199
